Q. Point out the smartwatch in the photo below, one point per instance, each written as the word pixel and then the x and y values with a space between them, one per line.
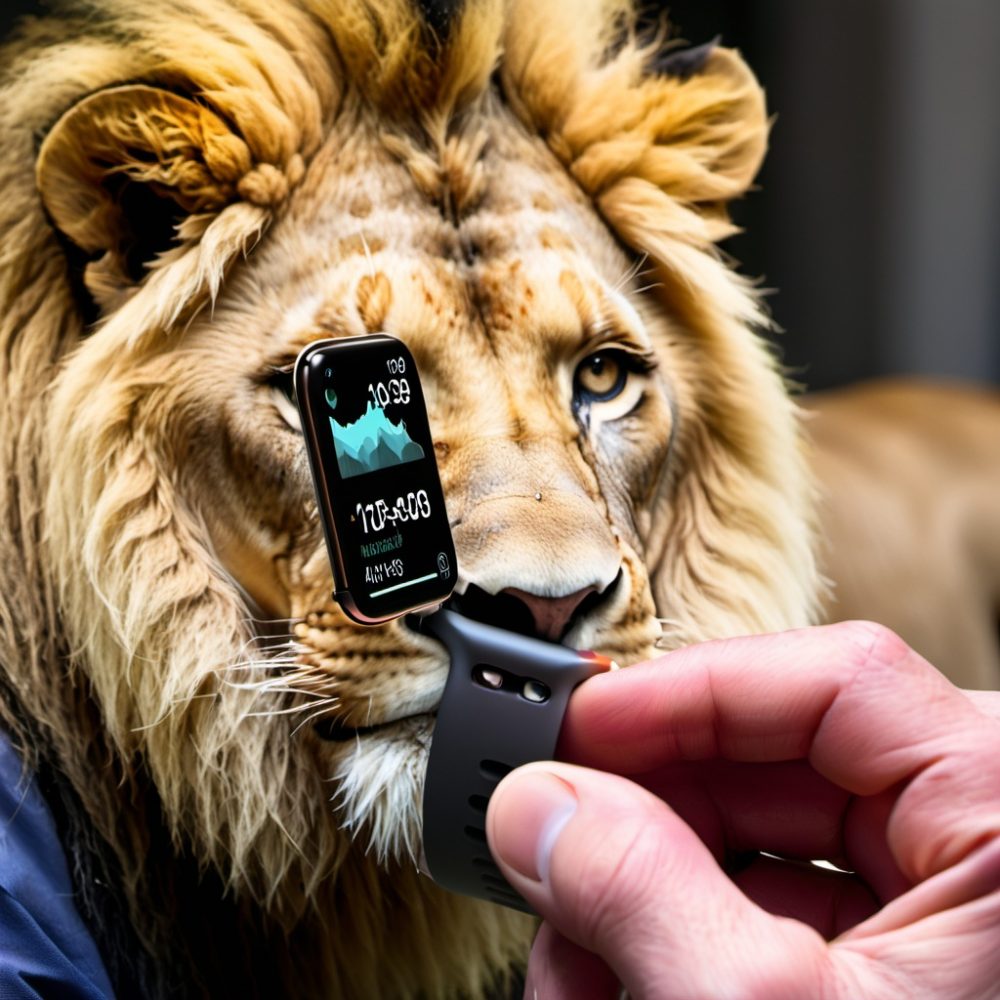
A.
pixel 382 508
pixel 502 707
pixel 378 491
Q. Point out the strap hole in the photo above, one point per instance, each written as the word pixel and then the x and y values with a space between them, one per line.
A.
pixel 535 691
pixel 510 898
pixel 488 677
pixel 496 882
pixel 494 769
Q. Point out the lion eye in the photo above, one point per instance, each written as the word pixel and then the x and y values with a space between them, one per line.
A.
pixel 282 392
pixel 611 384
pixel 600 377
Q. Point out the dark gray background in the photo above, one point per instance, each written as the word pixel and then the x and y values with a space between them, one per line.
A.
pixel 877 218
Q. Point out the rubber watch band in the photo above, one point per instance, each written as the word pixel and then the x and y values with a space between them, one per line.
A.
pixel 502 707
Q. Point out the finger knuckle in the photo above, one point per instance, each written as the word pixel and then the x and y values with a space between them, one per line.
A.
pixel 871 644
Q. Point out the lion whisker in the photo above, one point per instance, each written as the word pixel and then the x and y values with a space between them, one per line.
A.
pixel 670 621
pixel 631 272
pixel 271 686
pixel 283 640
pixel 270 652
pixel 248 619
pixel 291 710
pixel 257 667
pixel 319 713
pixel 283 660
pixel 368 253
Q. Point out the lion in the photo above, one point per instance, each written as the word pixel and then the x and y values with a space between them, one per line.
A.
pixel 909 474
pixel 528 194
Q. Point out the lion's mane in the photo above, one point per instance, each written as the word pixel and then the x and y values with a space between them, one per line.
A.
pixel 199 840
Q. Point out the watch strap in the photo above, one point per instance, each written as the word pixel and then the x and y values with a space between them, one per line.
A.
pixel 502 707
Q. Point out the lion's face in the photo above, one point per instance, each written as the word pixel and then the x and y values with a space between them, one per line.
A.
pixel 619 457
pixel 551 402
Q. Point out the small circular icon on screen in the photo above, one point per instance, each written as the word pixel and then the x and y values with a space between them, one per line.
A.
pixel 444 566
pixel 331 399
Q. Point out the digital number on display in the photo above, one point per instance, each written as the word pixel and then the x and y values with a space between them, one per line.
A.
pixel 377 514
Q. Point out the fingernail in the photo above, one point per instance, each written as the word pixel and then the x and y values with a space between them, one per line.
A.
pixel 529 812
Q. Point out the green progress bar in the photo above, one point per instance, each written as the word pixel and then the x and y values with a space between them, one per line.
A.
pixel 399 586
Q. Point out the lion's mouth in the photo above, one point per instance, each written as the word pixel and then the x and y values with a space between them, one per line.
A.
pixel 422 704
pixel 501 611
pixel 332 731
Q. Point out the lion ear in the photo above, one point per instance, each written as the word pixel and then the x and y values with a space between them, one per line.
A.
pixel 724 126
pixel 690 124
pixel 122 168
pixel 694 125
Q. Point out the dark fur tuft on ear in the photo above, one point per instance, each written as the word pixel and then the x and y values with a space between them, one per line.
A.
pixel 683 63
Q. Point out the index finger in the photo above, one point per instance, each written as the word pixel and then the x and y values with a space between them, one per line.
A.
pixel 864 709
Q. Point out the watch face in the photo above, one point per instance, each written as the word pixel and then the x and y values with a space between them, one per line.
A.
pixel 372 458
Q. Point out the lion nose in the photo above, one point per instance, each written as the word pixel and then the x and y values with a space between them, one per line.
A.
pixel 551 614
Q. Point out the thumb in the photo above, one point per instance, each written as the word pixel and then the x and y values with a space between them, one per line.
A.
pixel 613 869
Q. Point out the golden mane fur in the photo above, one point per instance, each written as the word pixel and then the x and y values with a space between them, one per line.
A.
pixel 134 671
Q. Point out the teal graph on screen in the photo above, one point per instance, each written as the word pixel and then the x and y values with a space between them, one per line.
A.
pixel 372 442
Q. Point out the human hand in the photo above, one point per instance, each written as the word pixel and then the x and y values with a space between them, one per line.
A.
pixel 836 742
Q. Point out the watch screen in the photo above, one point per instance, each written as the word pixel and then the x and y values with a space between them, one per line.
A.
pixel 376 477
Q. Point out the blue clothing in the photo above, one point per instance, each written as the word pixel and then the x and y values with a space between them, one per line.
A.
pixel 45 949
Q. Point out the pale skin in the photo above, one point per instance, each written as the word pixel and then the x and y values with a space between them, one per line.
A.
pixel 836 743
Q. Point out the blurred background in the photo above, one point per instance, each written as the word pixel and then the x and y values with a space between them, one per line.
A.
pixel 877 216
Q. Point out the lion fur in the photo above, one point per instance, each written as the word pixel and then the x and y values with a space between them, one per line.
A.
pixel 117 621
